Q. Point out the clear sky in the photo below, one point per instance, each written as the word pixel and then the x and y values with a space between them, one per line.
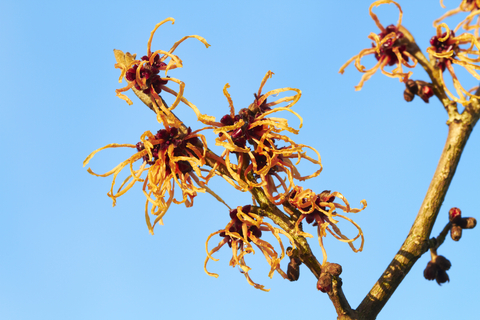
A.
pixel 66 253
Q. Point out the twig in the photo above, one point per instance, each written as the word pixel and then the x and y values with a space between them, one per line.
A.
pixel 435 243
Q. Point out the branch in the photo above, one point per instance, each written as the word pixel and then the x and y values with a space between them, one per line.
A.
pixel 340 302
pixel 417 242
pixel 267 208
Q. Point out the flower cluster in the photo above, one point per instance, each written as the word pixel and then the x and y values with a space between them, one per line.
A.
pixel 445 47
pixel 387 48
pixel 172 156
pixel 255 139
pixel 257 154
pixel 246 228
pixel 320 209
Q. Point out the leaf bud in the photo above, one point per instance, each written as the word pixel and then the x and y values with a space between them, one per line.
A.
pixel 408 95
pixel 324 282
pixel 456 232
pixel 467 223
pixel 293 271
pixel 334 269
pixel 411 86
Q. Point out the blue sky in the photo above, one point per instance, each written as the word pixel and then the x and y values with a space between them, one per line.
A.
pixel 68 254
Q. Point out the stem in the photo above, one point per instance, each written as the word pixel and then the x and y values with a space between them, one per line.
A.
pixel 288 225
pixel 417 242
pixel 340 302
pixel 435 243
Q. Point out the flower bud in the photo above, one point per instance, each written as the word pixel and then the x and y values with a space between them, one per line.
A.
pixel 293 271
pixel 408 95
pixel 443 263
pixel 324 282
pixel 247 208
pixel 334 269
pixel 411 86
pixel 467 223
pixel 454 214
pixel 430 271
pixel 456 232
pixel 426 93
pixel 425 90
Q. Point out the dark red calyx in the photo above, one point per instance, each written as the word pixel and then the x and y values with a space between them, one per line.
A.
pixel 227 120
pixel 131 73
pixel 386 50
pixel 430 272
pixel 140 146
pixel 184 167
pixel 442 277
pixel 247 208
pixel 255 231
pixel 443 263
pixel 310 218
pixel 324 196
pixel 233 213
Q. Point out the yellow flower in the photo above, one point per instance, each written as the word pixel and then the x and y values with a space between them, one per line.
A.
pixel 387 50
pixel 320 209
pixel 253 137
pixel 144 79
pixel 244 229
pixel 169 158
pixel 446 48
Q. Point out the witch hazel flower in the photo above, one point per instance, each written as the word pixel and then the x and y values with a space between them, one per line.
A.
pixel 242 232
pixel 387 49
pixel 321 211
pixel 169 158
pixel 445 47
pixel 143 76
pixel 263 152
